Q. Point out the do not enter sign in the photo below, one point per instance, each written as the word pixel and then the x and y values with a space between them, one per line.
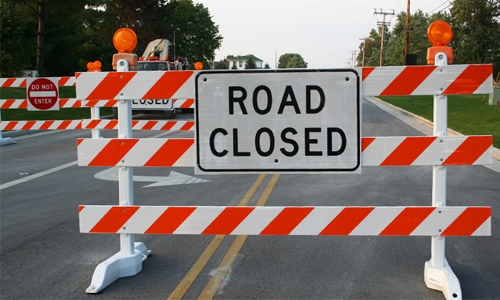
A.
pixel 43 94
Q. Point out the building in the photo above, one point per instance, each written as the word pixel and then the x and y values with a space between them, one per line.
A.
pixel 239 61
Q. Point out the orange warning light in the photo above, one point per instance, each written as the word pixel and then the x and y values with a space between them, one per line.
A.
pixel 198 65
pixel 125 40
pixel 439 33
pixel 97 65
pixel 94 66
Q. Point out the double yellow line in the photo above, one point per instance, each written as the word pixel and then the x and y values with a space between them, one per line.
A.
pixel 226 263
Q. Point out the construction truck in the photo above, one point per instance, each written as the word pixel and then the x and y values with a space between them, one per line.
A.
pixel 157 57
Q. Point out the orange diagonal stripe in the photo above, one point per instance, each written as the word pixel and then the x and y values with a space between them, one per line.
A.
pixel 287 220
pixel 470 150
pixel 169 153
pixel 228 220
pixel 470 79
pixel 407 221
pixel 409 150
pixel 408 80
pixel 168 84
pixel 468 222
pixel 114 219
pixel 170 220
pixel 110 86
pixel 346 221
pixel 113 152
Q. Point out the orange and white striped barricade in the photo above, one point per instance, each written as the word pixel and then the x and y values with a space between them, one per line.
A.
pixel 290 220
pixel 438 150
pixel 12 103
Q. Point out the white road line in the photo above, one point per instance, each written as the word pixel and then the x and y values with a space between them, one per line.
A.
pixel 37 175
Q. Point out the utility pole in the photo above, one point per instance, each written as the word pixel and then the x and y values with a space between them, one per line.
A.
pixel 364 44
pixel 354 57
pixel 383 24
pixel 407 38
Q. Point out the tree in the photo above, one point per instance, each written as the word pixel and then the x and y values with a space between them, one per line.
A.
pixel 42 10
pixel 221 65
pixel 372 50
pixel 476 28
pixel 291 60
pixel 197 36
pixel 75 32
pixel 14 53
pixel 250 63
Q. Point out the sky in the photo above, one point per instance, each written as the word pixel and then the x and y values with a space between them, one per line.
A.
pixel 324 32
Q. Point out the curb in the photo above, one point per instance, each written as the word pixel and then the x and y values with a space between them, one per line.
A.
pixel 495 152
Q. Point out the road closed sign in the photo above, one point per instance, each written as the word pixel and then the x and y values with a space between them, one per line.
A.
pixel 42 93
pixel 286 121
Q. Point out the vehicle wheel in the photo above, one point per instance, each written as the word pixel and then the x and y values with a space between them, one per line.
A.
pixel 115 113
pixel 171 114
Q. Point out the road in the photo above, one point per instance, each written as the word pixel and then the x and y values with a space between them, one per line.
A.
pixel 43 255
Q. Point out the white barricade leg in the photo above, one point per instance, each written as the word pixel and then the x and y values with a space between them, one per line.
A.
pixel 117 266
pixel 437 273
pixel 127 262
pixel 95 114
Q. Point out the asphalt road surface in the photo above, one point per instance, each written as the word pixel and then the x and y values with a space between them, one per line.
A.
pixel 43 255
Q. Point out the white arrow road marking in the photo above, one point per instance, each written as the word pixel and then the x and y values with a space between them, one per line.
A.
pixel 174 178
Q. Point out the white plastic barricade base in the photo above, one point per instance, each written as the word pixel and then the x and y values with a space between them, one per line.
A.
pixel 6 141
pixel 118 266
pixel 442 279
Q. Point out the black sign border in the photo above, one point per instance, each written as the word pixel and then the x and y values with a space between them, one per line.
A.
pixel 302 170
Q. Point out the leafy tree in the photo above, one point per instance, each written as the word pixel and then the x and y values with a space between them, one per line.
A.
pixel 372 50
pixel 78 31
pixel 250 63
pixel 476 28
pixel 221 65
pixel 15 53
pixel 42 10
pixel 197 36
pixel 291 60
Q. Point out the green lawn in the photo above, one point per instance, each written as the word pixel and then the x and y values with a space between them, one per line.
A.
pixel 63 114
pixel 467 114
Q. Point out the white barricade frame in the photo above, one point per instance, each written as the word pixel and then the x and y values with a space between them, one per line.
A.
pixel 437 150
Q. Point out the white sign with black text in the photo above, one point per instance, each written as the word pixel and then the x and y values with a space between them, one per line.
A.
pixel 284 121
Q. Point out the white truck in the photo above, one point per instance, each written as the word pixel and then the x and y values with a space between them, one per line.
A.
pixel 157 57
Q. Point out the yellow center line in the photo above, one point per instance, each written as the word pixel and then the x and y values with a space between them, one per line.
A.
pixel 226 263
pixel 195 270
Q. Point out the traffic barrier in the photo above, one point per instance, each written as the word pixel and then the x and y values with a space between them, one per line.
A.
pixel 126 152
pixel 376 151
pixel 95 124
pixel 76 103
pixel 439 151
pixel 377 81
pixel 290 220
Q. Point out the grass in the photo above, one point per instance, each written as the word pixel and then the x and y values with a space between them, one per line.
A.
pixel 467 114
pixel 62 114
